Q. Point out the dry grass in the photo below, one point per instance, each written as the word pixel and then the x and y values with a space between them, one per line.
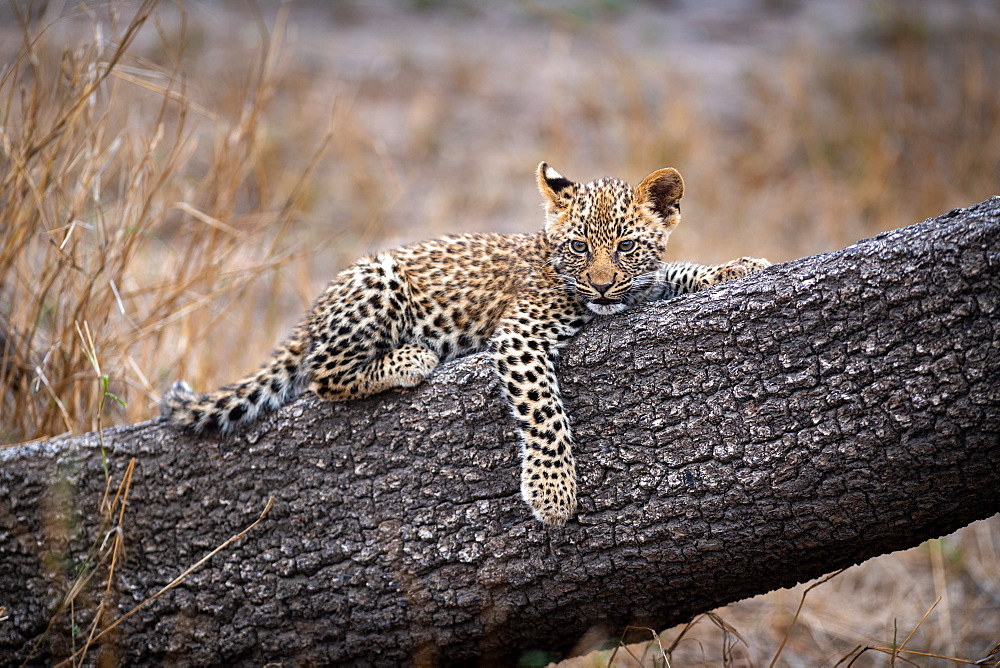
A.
pixel 130 211
pixel 175 187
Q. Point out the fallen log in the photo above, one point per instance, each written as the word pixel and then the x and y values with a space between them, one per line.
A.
pixel 729 442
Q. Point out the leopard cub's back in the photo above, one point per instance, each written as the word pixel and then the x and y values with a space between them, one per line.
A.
pixel 385 322
pixel 460 285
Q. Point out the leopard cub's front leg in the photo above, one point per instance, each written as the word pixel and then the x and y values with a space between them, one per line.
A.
pixel 525 365
pixel 678 278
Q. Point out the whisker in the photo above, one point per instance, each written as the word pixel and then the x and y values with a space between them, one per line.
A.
pixel 650 277
pixel 569 282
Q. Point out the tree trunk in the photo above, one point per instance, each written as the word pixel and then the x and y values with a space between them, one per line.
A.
pixel 730 442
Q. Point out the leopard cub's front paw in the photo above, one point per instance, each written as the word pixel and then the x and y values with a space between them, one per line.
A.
pixel 741 268
pixel 554 513
pixel 754 264
pixel 552 500
pixel 750 265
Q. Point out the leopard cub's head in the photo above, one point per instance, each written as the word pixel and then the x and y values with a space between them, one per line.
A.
pixel 608 239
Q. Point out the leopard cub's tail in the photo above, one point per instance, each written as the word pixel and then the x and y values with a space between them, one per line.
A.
pixel 278 381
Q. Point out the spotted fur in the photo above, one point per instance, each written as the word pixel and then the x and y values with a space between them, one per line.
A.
pixel 388 320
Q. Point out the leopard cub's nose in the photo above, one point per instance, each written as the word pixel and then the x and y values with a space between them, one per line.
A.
pixel 600 287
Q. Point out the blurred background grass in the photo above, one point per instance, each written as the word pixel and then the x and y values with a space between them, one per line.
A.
pixel 180 180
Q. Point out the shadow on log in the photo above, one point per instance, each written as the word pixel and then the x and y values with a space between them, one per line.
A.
pixel 729 442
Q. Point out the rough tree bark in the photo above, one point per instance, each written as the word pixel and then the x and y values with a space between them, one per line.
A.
pixel 731 442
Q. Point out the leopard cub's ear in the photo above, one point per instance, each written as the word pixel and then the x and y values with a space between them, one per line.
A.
pixel 663 189
pixel 553 185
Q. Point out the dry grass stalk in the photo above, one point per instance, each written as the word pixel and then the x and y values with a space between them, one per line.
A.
pixel 95 560
pixel 663 654
pixel 798 611
pixel 81 653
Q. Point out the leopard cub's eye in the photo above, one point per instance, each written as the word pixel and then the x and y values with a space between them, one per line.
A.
pixel 578 246
pixel 626 246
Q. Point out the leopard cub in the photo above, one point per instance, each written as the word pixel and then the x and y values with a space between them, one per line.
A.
pixel 392 317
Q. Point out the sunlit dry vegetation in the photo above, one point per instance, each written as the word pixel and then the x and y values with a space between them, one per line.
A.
pixel 124 218
pixel 178 180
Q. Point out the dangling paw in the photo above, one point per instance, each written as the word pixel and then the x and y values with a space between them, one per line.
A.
pixel 550 491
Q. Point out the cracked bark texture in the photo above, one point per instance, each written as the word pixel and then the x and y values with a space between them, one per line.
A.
pixel 730 442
